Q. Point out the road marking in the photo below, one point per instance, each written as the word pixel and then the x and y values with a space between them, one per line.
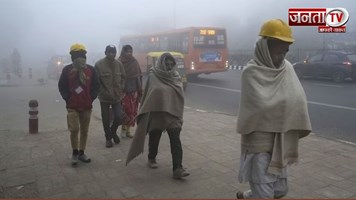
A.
pixel 310 102
pixel 347 142
pixel 328 85
pixel 220 88
pixel 332 105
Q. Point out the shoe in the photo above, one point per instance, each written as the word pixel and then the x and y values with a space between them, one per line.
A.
pixel 74 160
pixel 123 134
pixel 239 195
pixel 152 164
pixel 180 173
pixel 123 131
pixel 129 135
pixel 116 138
pixel 108 144
pixel 84 158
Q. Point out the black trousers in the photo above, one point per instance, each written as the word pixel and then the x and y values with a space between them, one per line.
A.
pixel 109 128
pixel 176 146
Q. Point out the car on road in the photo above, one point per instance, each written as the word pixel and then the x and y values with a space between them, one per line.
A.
pixel 335 65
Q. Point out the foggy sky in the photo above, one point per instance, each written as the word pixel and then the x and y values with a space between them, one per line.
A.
pixel 42 28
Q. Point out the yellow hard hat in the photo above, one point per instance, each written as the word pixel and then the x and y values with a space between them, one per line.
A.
pixel 77 47
pixel 277 28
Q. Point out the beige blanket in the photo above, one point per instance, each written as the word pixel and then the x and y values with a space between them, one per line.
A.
pixel 273 101
pixel 163 93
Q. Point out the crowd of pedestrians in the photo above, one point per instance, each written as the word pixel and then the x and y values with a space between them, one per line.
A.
pixel 273 112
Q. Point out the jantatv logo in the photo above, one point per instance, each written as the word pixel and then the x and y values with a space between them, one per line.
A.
pixel 328 20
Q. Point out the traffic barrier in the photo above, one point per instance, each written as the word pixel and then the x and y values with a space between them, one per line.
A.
pixel 33 120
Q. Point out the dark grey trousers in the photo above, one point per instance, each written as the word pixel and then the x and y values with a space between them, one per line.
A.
pixel 176 146
pixel 111 128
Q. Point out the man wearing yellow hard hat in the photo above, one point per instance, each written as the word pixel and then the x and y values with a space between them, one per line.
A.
pixel 78 86
pixel 273 114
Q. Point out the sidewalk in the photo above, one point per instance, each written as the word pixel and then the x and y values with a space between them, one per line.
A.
pixel 38 165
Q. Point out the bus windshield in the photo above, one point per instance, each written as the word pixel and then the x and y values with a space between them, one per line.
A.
pixel 205 38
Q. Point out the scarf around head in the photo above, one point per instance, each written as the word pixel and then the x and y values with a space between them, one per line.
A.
pixel 163 93
pixel 272 99
pixel 131 66
pixel 79 65
pixel 163 86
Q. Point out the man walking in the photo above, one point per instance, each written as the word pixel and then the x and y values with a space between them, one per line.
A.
pixel 273 114
pixel 111 74
pixel 161 109
pixel 78 86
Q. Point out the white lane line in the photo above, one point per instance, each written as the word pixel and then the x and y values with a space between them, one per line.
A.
pixel 220 88
pixel 327 85
pixel 310 102
pixel 347 142
pixel 199 110
pixel 332 105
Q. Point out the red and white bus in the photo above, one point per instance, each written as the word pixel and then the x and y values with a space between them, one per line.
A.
pixel 204 48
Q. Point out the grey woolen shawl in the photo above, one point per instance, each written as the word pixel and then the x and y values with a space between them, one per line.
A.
pixel 163 93
pixel 273 101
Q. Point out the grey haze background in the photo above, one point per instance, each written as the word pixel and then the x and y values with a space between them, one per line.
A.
pixel 42 28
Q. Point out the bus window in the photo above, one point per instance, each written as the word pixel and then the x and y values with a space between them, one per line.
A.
pixel 198 40
pixel 220 39
pixel 164 43
pixel 206 39
pixel 185 44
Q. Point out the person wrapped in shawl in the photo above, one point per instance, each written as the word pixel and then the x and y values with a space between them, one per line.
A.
pixel 273 114
pixel 161 109
pixel 132 90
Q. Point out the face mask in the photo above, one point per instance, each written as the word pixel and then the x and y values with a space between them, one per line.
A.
pixel 79 63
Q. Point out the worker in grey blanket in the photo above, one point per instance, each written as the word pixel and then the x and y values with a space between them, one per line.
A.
pixel 161 109
pixel 273 114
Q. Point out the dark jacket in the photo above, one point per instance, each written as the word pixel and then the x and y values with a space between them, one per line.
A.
pixel 76 95
pixel 111 76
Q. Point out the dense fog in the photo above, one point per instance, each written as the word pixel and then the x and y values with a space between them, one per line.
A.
pixel 41 28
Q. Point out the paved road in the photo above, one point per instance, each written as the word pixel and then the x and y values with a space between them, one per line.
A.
pixel 332 106
pixel 37 165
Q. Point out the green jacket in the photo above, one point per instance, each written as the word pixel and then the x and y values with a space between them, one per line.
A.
pixel 111 78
